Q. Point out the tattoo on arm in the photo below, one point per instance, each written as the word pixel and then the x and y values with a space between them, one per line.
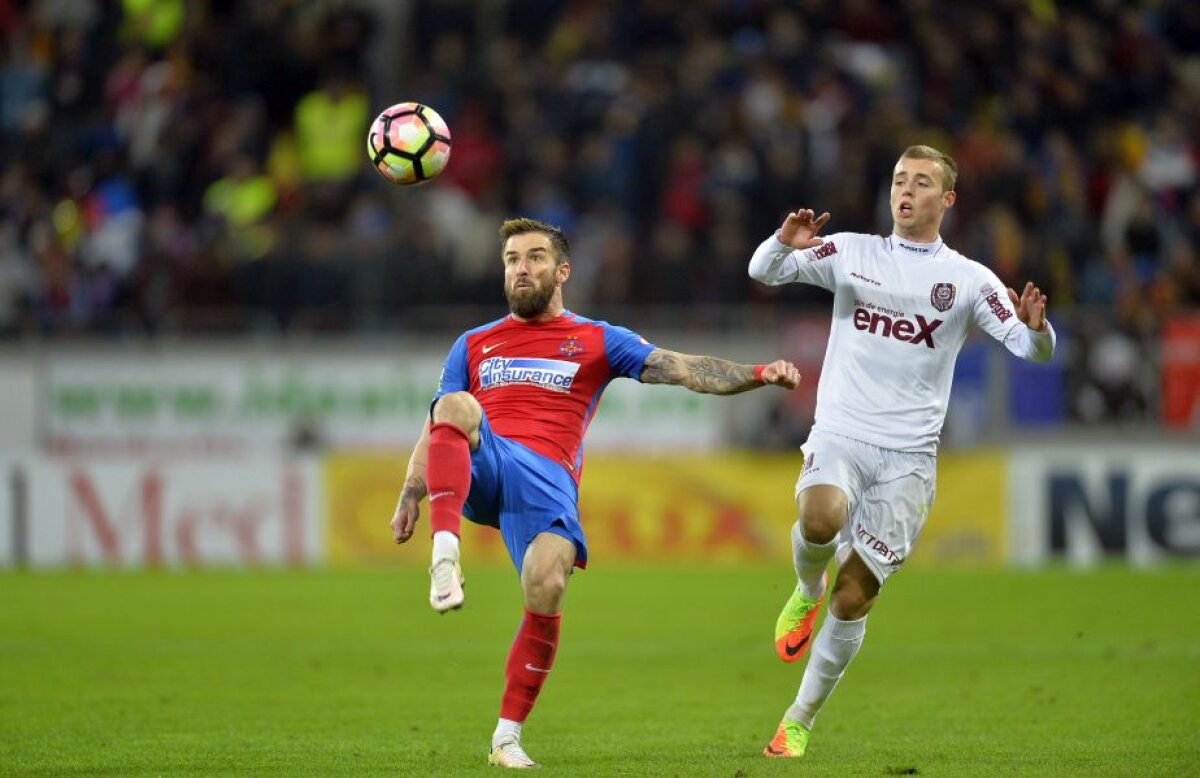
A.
pixel 414 477
pixel 415 485
pixel 707 375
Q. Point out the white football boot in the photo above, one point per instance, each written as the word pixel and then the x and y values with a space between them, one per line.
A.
pixel 446 585
pixel 508 753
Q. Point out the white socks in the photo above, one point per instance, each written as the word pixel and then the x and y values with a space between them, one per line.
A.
pixel 836 644
pixel 810 561
pixel 445 545
pixel 506 729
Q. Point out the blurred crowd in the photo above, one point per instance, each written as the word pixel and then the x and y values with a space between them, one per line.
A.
pixel 199 167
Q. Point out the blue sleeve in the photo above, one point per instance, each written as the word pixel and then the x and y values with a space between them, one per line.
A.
pixel 626 351
pixel 454 376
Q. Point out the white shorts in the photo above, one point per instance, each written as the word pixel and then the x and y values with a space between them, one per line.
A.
pixel 889 494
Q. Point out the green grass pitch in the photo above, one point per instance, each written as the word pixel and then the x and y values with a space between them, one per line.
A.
pixel 666 671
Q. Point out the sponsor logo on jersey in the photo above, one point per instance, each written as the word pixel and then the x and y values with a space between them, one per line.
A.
pixel 553 374
pixel 898 327
pixel 570 347
pixel 824 250
pixel 808 464
pixel 1002 313
pixel 986 289
pixel 861 277
pixel 942 296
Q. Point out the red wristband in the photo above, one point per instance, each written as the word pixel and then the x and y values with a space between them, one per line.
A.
pixel 758 373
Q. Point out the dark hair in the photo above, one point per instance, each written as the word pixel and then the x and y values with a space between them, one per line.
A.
pixel 558 239
pixel 949 166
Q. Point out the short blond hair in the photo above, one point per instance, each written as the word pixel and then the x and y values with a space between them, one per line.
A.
pixel 521 226
pixel 949 166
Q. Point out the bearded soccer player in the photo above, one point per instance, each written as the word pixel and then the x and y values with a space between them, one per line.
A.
pixel 503 445
pixel 902 307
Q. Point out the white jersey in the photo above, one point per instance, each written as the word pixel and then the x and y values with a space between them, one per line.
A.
pixel 901 312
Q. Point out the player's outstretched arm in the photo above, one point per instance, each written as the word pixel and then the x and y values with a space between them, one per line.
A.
pixel 712 375
pixel 404 518
pixel 1030 305
pixel 774 261
pixel 1035 341
pixel 799 230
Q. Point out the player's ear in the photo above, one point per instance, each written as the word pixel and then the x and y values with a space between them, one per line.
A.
pixel 948 198
pixel 563 272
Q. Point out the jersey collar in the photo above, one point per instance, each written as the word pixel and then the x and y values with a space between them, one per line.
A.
pixel 909 248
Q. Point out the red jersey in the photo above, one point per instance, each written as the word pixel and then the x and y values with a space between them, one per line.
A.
pixel 540 382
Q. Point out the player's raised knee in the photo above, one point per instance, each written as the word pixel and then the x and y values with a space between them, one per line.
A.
pixel 822 512
pixel 819 527
pixel 460 409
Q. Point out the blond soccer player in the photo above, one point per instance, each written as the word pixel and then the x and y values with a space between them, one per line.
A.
pixel 903 305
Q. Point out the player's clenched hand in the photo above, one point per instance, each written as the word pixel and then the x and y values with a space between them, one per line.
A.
pixel 781 373
pixel 404 520
pixel 1030 305
pixel 800 229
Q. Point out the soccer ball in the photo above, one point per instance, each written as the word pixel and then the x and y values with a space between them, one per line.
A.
pixel 409 143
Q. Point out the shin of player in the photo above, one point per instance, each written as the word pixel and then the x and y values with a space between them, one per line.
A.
pixel 544 573
pixel 443 454
pixel 822 515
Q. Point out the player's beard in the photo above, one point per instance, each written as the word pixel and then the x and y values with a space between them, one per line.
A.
pixel 527 302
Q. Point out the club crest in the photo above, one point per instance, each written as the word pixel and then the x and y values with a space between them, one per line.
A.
pixel 942 296
pixel 570 347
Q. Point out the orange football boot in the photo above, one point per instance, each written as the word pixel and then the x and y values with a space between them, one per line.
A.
pixel 794 627
pixel 791 739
